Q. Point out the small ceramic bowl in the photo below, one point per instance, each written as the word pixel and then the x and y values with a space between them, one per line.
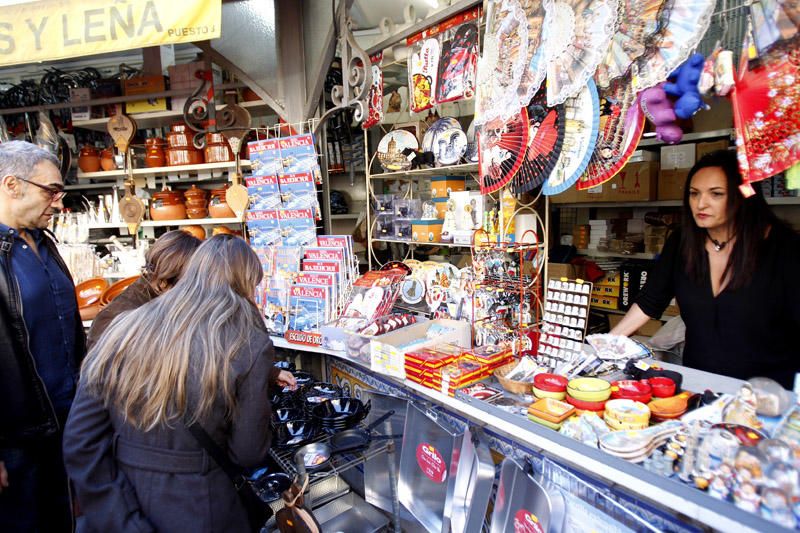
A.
pixel 550 382
pixel 662 387
pixel 589 389
pixel 539 393
pixel 638 391
pixel 586 406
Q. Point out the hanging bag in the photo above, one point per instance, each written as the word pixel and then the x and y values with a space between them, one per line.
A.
pixel 258 511
pixel 294 517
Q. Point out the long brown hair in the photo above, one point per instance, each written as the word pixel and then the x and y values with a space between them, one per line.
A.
pixel 167 258
pixel 150 358
pixel 751 219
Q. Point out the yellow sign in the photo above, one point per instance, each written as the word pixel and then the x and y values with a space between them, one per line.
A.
pixel 45 30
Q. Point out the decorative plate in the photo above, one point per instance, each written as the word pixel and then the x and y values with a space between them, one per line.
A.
pixel 390 149
pixel 432 134
pixel 412 291
pixel 577 36
pixel 450 146
pixel 582 125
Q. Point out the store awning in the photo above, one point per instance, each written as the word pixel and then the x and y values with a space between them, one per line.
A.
pixel 46 30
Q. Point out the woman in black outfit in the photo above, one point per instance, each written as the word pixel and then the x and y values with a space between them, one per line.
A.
pixel 734 269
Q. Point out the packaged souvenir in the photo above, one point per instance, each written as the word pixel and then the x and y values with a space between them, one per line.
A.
pixel 423 66
pixel 458 63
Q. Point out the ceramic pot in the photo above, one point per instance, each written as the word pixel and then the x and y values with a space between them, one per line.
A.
pixel 167 211
pixel 107 159
pixel 195 193
pixel 89 159
pixel 197 212
pixel 195 231
pixel 217 149
pixel 154 153
pixel 199 202
pixel 218 206
pixel 183 156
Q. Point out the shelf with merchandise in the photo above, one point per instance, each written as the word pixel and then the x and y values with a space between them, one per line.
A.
pixel 168 223
pixel 208 170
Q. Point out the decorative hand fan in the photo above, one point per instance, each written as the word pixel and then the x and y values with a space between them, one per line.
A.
pixel 774 21
pixel 621 127
pixel 503 63
pixel 637 23
pixel 545 136
pixel 533 76
pixel 765 103
pixel 687 22
pixel 582 124
pixel 501 150
pixel 432 134
pixel 586 26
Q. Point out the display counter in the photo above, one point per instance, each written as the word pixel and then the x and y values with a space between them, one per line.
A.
pixel 664 503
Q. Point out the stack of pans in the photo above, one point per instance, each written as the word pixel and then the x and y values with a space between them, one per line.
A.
pixel 317 393
pixel 338 414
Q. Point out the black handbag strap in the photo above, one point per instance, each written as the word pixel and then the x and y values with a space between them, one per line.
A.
pixel 232 470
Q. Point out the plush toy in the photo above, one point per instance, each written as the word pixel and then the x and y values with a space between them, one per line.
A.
pixel 657 107
pixel 684 86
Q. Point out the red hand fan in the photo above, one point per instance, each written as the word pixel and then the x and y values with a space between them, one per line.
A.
pixel 545 137
pixel 501 150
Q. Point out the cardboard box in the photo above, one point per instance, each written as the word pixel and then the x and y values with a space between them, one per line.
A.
pixel 426 230
pixel 610 279
pixel 387 355
pixel 144 85
pixel 442 186
pixel 671 184
pixel 633 277
pixel 564 270
pixel 605 290
pixel 636 182
pixel 604 302
pixel 80 94
pixel 709 147
pixel 677 156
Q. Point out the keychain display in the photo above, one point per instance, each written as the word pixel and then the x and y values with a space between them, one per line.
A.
pixel 566 316
pixel 375 112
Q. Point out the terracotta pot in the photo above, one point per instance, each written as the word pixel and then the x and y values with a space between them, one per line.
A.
pixel 197 212
pixel 183 156
pixel 195 231
pixel 217 149
pixel 218 206
pixel 89 159
pixel 115 290
pixel 179 140
pixel 89 312
pixel 160 211
pixel 179 127
pixel 107 159
pixel 154 153
pixel 195 193
pixel 196 203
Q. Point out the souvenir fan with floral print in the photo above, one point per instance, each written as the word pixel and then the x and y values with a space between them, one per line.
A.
pixel 577 35
pixel 501 150
pixel 774 21
pixel 545 136
pixel 766 112
pixel 533 76
pixel 621 127
pixel 504 60
pixel 582 114
pixel 686 23
pixel 637 23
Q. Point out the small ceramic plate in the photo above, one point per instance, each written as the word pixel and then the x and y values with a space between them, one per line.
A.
pixel 390 150
pixel 450 146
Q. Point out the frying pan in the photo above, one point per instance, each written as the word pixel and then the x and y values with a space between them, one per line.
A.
pixel 357 438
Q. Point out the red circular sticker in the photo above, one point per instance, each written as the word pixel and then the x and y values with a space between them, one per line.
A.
pixel 526 522
pixel 431 463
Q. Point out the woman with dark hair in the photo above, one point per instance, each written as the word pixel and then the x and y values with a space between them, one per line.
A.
pixel 164 264
pixel 733 269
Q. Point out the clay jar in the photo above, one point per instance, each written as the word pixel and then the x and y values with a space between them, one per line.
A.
pixel 218 206
pixel 180 149
pixel 217 149
pixel 196 204
pixel 107 159
pixel 154 152
pixel 89 159
pixel 167 205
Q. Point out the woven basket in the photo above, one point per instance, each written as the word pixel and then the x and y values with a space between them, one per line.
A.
pixel 516 387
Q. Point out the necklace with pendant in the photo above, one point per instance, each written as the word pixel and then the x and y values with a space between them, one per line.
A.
pixel 718 246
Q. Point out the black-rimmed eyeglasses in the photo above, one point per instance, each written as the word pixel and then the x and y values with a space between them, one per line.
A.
pixel 56 193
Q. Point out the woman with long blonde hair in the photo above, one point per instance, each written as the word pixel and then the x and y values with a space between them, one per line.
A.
pixel 198 354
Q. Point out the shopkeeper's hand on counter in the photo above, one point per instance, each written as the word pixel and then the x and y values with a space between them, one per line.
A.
pixel 286 379
pixel 634 319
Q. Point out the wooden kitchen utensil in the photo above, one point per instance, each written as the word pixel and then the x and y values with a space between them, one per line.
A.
pixel 122 129
pixel 237 121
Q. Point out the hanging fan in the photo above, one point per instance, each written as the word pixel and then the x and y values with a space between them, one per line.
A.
pixel 503 63
pixel 774 21
pixel 582 124
pixel 637 23
pixel 545 136
pixel 621 127
pixel 685 26
pixel 534 74
pixel 765 103
pixel 501 150
pixel 577 35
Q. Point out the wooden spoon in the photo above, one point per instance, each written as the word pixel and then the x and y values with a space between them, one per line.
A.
pixel 237 121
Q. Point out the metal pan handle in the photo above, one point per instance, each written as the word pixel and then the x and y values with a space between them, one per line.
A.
pixel 385 416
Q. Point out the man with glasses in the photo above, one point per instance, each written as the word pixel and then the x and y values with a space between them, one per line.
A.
pixel 41 344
